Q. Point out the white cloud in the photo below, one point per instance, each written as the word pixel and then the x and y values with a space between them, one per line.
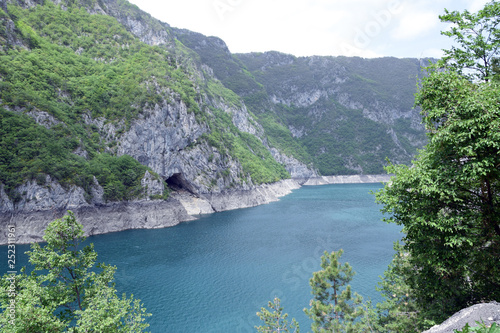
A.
pixel 432 53
pixel 476 5
pixel 414 24
pixel 314 27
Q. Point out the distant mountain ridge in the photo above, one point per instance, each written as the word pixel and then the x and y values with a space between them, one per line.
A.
pixel 347 114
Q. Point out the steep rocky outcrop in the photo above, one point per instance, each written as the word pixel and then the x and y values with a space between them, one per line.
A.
pixel 166 138
pixel 31 221
pixel 486 313
pixel 298 170
pixel 49 195
pixel 97 219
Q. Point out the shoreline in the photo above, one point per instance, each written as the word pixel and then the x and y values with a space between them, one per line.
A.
pixel 155 214
pixel 347 179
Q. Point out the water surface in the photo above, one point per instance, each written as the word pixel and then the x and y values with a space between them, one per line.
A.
pixel 214 274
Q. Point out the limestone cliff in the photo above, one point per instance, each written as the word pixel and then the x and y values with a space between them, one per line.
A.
pixel 51 202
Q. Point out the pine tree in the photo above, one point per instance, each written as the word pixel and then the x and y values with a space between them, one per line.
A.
pixel 65 293
pixel 334 308
pixel 275 321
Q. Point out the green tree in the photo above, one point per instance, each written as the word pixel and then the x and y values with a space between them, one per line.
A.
pixel 448 201
pixel 398 311
pixel 65 292
pixel 478 39
pixel 276 321
pixel 334 307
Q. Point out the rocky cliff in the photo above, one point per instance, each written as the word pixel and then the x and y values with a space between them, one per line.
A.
pixel 482 313
pixel 51 202
pixel 344 115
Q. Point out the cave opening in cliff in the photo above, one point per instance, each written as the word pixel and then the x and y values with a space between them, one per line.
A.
pixel 177 182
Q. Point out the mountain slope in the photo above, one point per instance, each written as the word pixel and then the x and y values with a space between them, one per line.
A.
pixel 344 114
pixel 100 102
pixel 349 113
pixel 80 91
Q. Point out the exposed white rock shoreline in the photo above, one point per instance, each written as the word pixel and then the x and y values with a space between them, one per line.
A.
pixel 351 179
pixel 151 214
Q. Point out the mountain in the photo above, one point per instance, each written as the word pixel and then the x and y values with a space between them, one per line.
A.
pixel 346 115
pixel 104 107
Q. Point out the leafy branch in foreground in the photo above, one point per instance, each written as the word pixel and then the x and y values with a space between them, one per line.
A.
pixel 334 309
pixel 398 311
pixel 478 39
pixel 448 202
pixel 65 293
pixel 481 328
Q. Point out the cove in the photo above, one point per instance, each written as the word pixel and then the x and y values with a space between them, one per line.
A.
pixel 213 274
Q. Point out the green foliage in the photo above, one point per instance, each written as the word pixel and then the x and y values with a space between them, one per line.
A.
pixel 334 307
pixel 448 202
pixel 30 151
pixel 119 176
pixel 398 311
pixel 65 293
pixel 280 137
pixel 217 90
pixel 480 328
pixel 478 39
pixel 28 34
pixel 87 63
pixel 276 321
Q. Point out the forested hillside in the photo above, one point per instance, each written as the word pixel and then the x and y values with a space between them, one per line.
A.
pixel 346 115
pixel 101 98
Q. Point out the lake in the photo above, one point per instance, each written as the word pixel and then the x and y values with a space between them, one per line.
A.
pixel 213 274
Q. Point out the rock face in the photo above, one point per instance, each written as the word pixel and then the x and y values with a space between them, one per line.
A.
pixel 298 170
pixel 166 138
pixel 152 186
pixel 260 195
pixel 486 313
pixel 36 197
pixel 138 214
pixel 30 226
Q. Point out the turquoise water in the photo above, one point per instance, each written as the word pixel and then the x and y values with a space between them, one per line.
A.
pixel 214 274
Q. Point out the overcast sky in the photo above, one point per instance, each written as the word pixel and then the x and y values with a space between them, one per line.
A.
pixel 366 28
